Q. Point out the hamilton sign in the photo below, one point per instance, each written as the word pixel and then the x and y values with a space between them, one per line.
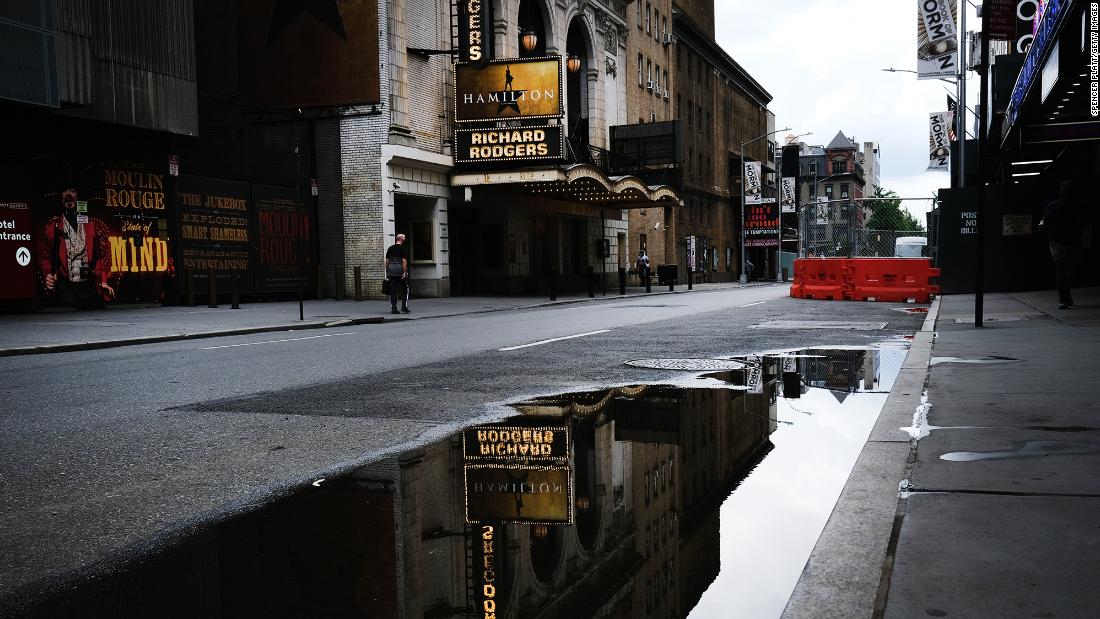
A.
pixel 508 89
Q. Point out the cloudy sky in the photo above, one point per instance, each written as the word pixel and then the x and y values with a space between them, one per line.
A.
pixel 822 62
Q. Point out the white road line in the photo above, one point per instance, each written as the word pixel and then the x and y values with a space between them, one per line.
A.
pixel 752 304
pixel 293 339
pixel 555 339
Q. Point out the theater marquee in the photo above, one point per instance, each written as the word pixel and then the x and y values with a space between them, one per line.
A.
pixel 543 143
pixel 516 88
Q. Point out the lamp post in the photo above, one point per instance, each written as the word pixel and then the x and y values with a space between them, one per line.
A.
pixel 744 279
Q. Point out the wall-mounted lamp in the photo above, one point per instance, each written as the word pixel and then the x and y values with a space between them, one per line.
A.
pixel 573 63
pixel 529 40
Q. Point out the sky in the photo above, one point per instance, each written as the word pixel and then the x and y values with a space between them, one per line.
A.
pixel 822 62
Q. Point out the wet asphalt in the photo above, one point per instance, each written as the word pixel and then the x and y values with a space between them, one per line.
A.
pixel 110 454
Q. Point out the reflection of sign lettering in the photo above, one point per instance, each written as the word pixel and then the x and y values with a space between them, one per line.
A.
pixel 488 571
pixel 516 443
pixel 518 494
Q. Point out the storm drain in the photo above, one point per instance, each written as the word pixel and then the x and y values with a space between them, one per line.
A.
pixel 821 324
pixel 688 365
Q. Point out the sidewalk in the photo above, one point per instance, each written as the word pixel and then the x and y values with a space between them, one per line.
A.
pixel 61 331
pixel 999 513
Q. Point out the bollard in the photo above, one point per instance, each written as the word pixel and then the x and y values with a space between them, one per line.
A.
pixel 358 283
pixel 691 276
pixel 553 284
pixel 301 304
pixel 235 280
pixel 622 281
pixel 671 280
pixel 320 284
pixel 211 288
pixel 645 276
pixel 591 283
pixel 189 282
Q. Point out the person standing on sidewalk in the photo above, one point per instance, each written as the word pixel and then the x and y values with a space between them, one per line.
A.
pixel 397 271
pixel 1064 220
pixel 643 266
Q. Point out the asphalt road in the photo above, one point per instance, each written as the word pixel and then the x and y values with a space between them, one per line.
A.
pixel 109 454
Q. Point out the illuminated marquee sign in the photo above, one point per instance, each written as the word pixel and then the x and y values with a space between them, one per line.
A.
pixel 473 36
pixel 509 89
pixel 544 143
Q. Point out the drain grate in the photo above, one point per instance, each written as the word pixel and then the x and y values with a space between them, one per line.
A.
pixel 821 324
pixel 688 365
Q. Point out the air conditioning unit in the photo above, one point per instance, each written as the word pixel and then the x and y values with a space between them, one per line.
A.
pixel 649 84
pixel 666 92
pixel 668 38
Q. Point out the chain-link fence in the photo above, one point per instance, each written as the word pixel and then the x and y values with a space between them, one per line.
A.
pixel 860 229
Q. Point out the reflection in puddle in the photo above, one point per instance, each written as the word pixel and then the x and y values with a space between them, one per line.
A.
pixel 645 500
pixel 1030 449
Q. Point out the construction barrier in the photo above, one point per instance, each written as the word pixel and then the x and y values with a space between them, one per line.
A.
pixel 902 280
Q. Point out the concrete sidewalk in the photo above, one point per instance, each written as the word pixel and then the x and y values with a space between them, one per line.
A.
pixel 61 331
pixel 999 509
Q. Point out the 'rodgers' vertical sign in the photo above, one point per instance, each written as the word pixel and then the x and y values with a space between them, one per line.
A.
pixel 473 33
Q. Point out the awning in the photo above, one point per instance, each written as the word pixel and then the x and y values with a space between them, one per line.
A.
pixel 581 182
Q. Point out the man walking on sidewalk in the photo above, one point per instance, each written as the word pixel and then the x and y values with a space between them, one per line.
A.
pixel 1064 220
pixel 397 271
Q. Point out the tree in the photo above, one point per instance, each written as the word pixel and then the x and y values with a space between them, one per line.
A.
pixel 887 214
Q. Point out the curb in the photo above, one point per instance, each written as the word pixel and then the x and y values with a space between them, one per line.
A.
pixel 345 322
pixel 158 339
pixel 853 556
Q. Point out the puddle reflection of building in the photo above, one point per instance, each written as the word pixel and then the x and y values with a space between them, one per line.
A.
pixel 650 467
pixel 841 371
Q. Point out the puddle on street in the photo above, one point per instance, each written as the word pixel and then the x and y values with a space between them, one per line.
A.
pixel 645 500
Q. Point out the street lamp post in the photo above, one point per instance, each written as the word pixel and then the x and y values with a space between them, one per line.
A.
pixel 744 279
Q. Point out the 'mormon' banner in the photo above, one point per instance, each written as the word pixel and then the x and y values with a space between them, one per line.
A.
pixel 939 147
pixel 752 183
pixel 937 39
pixel 789 196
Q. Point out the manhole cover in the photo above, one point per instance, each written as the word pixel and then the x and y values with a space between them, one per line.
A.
pixel 821 324
pixel 688 365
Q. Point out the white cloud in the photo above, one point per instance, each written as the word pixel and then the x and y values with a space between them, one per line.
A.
pixel 822 62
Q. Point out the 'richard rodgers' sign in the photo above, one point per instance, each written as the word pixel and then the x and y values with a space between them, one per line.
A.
pixel 512 144
pixel 508 89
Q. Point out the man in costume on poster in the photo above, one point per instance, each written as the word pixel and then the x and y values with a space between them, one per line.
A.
pixel 74 256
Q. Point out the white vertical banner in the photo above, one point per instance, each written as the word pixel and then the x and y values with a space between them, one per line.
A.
pixel 788 201
pixel 937 39
pixel 822 210
pixel 939 147
pixel 752 183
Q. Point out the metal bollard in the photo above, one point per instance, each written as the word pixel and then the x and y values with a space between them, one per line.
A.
pixel 236 282
pixel 591 283
pixel 358 283
pixel 622 281
pixel 189 283
pixel 671 280
pixel 691 276
pixel 553 284
pixel 648 284
pixel 211 288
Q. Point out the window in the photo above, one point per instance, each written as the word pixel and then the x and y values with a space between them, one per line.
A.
pixel 813 164
pixel 639 14
pixel 656 31
pixel 648 71
pixel 828 192
pixel 641 241
pixel 657 78
pixel 648 17
pixel 641 79
pixel 838 167
pixel 813 192
pixel 666 81
pixel 844 190
pixel 664 27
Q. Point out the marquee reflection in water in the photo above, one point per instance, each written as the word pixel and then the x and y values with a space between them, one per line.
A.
pixel 679 503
